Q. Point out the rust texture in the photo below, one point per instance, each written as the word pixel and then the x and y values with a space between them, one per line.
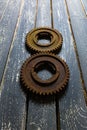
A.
pixel 31 80
pixel 50 34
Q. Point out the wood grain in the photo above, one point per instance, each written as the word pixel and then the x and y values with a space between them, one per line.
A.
pixel 12 98
pixel 7 28
pixel 75 8
pixel 44 14
pixel 3 6
pixel 80 34
pixel 42 111
pixel 73 110
pixel 81 43
pixel 84 2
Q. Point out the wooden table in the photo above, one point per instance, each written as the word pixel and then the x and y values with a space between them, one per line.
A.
pixel 20 110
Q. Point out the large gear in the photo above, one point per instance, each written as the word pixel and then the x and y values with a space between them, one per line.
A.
pixel 31 80
pixel 50 34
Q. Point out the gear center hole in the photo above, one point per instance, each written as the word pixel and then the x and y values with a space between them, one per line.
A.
pixel 44 38
pixel 45 70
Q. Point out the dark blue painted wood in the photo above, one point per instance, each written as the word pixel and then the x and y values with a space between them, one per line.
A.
pixel 72 107
pixel 7 28
pixel 12 98
pixel 79 26
pixel 42 111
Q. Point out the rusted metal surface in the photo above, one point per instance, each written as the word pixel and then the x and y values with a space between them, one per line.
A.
pixel 59 69
pixel 50 34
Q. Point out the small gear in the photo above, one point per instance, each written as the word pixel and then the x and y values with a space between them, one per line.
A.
pixel 45 33
pixel 31 80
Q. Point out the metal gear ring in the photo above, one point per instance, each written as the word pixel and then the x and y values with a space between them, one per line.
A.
pixel 54 37
pixel 58 67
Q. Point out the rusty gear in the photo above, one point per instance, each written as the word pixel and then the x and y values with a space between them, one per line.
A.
pixel 52 35
pixel 58 67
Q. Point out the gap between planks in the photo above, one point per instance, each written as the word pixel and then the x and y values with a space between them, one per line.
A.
pixel 77 56
pixel 56 98
pixel 12 43
pixel 51 11
pixel 27 97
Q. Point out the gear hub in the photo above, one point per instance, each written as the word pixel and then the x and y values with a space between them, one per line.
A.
pixel 58 68
pixel 54 37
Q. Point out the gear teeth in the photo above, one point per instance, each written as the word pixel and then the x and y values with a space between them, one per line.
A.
pixel 57 91
pixel 51 93
pixel 30 89
pixel 56 45
pixel 33 91
pixel 39 90
pixel 44 94
pixel 41 93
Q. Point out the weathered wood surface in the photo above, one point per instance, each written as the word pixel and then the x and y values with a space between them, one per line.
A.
pixel 3 6
pixel 84 2
pixel 23 111
pixel 12 98
pixel 79 27
pixel 73 111
pixel 7 29
pixel 75 7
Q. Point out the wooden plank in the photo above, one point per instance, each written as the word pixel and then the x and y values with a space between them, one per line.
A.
pixel 7 28
pixel 12 98
pixel 79 27
pixel 3 6
pixel 76 8
pixel 73 110
pixel 42 111
pixel 84 2
pixel 41 114
pixel 44 14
